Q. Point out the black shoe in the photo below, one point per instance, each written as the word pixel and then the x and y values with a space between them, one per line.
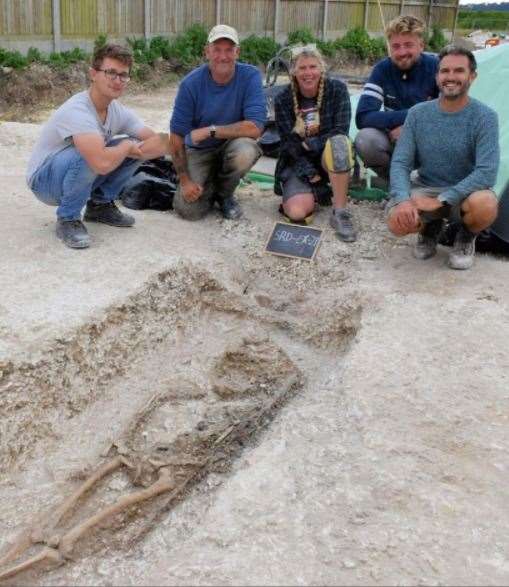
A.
pixel 230 208
pixel 427 240
pixel 73 233
pixel 107 213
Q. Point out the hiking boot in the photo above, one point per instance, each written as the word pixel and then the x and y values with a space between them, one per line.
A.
pixel 73 233
pixel 341 222
pixel 427 240
pixel 230 208
pixel 107 213
pixel 463 250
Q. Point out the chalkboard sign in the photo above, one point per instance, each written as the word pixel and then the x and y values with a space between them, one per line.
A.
pixel 294 240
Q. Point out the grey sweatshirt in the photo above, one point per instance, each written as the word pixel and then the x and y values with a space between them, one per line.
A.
pixel 456 150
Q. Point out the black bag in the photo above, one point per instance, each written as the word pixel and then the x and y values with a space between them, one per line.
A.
pixel 151 187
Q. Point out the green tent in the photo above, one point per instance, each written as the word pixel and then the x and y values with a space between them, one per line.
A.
pixel 492 88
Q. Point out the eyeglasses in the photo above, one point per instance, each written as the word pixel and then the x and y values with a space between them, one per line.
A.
pixel 112 75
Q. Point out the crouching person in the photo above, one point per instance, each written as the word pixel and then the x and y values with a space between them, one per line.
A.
pixel 453 143
pixel 76 164
pixel 219 113
pixel 313 119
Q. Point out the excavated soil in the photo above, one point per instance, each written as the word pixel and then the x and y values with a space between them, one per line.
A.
pixel 342 421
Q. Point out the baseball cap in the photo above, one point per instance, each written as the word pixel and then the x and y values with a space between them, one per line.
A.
pixel 223 31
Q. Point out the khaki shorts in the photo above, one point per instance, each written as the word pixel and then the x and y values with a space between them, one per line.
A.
pixel 454 213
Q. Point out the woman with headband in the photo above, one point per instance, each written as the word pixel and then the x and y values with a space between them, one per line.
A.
pixel 313 119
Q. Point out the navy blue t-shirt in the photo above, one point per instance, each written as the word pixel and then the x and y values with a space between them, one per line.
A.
pixel 202 102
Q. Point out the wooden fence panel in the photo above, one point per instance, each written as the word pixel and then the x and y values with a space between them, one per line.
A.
pixel 343 16
pixel 165 14
pixel 198 12
pixel 122 17
pixel 248 16
pixel 389 10
pixel 298 14
pixel 79 18
pixel 444 17
pixel 27 20
pixel 28 17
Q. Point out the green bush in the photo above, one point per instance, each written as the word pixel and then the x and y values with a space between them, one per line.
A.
pixel 327 48
pixel 258 50
pixel 12 59
pixel 33 54
pixel 358 43
pixel 436 41
pixel 195 38
pixel 186 48
pixel 100 41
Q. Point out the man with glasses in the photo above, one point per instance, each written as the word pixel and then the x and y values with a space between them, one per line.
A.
pixel 396 83
pixel 219 113
pixel 76 162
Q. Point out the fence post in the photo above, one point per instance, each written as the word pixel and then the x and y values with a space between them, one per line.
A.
pixel 277 10
pixel 325 18
pixel 430 8
pixel 218 11
pixel 455 24
pixel 147 15
pixel 55 21
pixel 402 3
pixel 366 10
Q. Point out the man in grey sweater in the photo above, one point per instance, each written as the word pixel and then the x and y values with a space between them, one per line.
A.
pixel 453 144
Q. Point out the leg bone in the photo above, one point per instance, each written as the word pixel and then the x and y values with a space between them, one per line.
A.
pixel 68 541
pixel 47 554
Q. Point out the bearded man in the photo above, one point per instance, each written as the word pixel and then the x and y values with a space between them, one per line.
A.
pixel 454 145
pixel 396 83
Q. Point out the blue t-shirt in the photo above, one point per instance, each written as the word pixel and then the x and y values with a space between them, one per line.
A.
pixel 396 91
pixel 202 102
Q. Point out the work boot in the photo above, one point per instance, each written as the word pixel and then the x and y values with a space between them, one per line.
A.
pixel 341 221
pixel 463 250
pixel 427 240
pixel 230 208
pixel 107 213
pixel 73 233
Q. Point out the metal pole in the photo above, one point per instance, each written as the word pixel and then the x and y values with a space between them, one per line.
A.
pixel 55 19
pixel 147 13
pixel 218 11
pixel 277 11
pixel 366 10
pixel 402 3
pixel 325 17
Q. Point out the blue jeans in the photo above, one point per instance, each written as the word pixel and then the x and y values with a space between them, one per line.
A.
pixel 65 180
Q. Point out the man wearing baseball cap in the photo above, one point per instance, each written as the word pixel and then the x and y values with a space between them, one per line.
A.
pixel 219 113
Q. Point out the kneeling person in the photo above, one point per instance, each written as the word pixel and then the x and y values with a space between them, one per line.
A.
pixel 313 119
pixel 453 143
pixel 75 162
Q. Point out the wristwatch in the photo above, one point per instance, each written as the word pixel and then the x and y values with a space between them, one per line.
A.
pixel 212 131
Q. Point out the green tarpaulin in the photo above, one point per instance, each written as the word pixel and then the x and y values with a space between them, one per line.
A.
pixel 492 88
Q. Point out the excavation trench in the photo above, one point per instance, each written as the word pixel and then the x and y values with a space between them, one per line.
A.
pixel 111 425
